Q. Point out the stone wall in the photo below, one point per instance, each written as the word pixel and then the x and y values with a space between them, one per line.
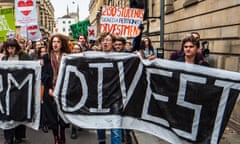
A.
pixel 216 21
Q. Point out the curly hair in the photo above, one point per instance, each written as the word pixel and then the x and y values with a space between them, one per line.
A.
pixel 191 39
pixel 64 41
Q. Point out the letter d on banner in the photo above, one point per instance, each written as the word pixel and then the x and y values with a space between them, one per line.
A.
pixel 82 79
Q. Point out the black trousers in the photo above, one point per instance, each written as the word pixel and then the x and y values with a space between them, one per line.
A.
pixel 18 132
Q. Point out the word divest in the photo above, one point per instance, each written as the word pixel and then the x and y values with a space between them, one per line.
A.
pixel 181 103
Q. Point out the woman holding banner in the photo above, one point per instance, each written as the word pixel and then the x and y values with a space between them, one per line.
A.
pixel 13 53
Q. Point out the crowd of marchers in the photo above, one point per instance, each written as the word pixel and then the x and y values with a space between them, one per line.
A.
pixel 50 51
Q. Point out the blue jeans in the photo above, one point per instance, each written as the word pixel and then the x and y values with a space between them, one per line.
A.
pixel 116 136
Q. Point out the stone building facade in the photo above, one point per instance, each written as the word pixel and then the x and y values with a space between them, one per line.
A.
pixel 45 12
pixel 216 21
pixel 6 3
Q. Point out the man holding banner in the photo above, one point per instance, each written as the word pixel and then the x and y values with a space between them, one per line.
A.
pixel 106 42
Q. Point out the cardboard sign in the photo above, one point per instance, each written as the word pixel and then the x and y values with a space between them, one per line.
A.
pixel 26 12
pixel 80 28
pixel 121 21
pixel 7 22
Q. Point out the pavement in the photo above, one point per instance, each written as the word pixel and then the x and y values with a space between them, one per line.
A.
pixel 230 136
pixel 88 136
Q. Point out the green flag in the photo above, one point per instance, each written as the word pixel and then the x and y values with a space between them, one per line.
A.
pixel 7 22
pixel 80 28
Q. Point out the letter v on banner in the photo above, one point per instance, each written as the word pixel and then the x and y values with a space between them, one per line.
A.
pixel 128 94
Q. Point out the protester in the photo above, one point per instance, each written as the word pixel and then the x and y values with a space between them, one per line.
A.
pixel 30 49
pixel 190 46
pixel 13 52
pixel 106 41
pixel 128 47
pixel 95 47
pixel 58 47
pixel 2 45
pixel 76 49
pixel 82 41
pixel 46 66
pixel 176 54
pixel 119 44
pixel 22 44
pixel 147 50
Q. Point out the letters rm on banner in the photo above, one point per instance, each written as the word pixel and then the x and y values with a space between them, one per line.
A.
pixel 20 93
pixel 121 21
pixel 181 103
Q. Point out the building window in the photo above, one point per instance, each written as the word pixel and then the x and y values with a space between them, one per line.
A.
pixel 69 22
pixel 63 29
pixel 64 22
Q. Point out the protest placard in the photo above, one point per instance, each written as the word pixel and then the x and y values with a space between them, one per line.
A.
pixel 121 21
pixel 7 22
pixel 80 28
pixel 26 12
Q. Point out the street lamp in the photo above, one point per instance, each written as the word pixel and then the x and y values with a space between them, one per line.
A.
pixel 162 20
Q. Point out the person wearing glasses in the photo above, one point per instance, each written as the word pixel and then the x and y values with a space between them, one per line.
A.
pixel 190 46
pixel 106 41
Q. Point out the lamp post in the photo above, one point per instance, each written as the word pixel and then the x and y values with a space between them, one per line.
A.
pixel 162 14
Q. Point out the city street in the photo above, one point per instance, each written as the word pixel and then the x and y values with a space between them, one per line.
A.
pixel 90 137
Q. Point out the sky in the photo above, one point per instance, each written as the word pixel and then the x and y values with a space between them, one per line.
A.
pixel 60 7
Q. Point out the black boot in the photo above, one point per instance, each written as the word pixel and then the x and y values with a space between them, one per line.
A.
pixel 74 133
pixel 45 129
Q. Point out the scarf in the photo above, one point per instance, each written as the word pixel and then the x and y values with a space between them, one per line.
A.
pixel 55 62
